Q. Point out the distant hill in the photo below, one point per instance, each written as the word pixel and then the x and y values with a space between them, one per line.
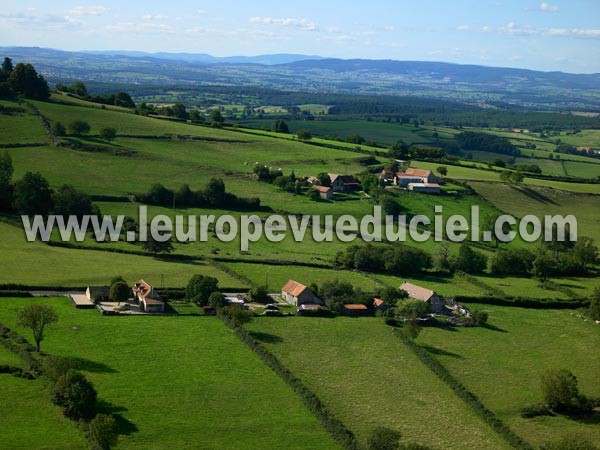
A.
pixel 486 86
pixel 204 58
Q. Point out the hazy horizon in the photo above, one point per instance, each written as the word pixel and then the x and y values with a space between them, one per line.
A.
pixel 531 34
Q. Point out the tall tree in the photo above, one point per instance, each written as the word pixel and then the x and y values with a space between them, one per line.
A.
pixel 7 65
pixel 156 247
pixel 79 127
pixel 37 317
pixel 26 81
pixel 33 195
pixel 108 134
pixel 217 117
pixel 69 201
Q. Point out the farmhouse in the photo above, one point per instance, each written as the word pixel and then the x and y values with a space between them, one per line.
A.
pixel 436 304
pixel 343 183
pixel 411 175
pixel 147 297
pixel 427 188
pixel 387 176
pixel 379 304
pixel 98 293
pixel 355 309
pixel 297 294
pixel 325 192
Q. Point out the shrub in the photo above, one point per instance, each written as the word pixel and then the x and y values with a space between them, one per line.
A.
pixel 102 433
pixel 480 317
pixel 76 395
pixel 235 315
pixel 55 367
pixel 199 289
pixel 259 294
pixel 383 438
pixel 561 392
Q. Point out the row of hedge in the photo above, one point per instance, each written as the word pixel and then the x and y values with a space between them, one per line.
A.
pixel 18 345
pixel 467 396
pixel 525 302
pixel 33 144
pixel 15 293
pixel 332 424
pixel 17 372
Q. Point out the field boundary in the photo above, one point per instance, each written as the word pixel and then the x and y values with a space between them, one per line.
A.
pixel 464 394
pixel 334 426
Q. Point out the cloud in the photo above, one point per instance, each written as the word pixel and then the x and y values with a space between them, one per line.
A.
pixel 302 24
pixel 154 17
pixel 47 21
pixel 545 7
pixel 513 29
pixel 97 10
pixel 390 28
pixel 141 27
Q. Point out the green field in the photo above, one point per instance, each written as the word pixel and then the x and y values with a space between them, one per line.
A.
pixel 475 174
pixel 21 128
pixel 368 378
pixel 37 264
pixel 30 421
pixel 385 133
pixel 178 382
pixel 502 365
pixel 541 201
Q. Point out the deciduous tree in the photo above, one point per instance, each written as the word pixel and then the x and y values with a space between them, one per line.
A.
pixel 37 317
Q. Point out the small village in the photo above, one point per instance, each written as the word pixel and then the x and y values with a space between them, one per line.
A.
pixel 294 298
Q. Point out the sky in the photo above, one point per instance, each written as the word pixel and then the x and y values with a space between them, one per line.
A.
pixel 555 35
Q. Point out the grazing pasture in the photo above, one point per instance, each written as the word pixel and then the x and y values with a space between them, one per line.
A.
pixel 369 378
pixel 503 362
pixel 191 375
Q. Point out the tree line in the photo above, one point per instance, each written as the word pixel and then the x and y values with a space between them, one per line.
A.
pixel 33 195
pixel 80 90
pixel 22 79
pixel 213 195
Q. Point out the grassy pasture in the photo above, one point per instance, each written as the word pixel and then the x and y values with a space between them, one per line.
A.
pixel 189 374
pixel 242 156
pixel 385 133
pixel 541 201
pixel 582 169
pixel 30 421
pixel 124 122
pixel 585 138
pixel 475 174
pixel 502 365
pixel 368 377
pixel 21 128
pixel 277 276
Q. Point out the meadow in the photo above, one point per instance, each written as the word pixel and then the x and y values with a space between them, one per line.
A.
pixel 541 201
pixel 37 264
pixel 176 382
pixel 369 378
pixel 502 364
